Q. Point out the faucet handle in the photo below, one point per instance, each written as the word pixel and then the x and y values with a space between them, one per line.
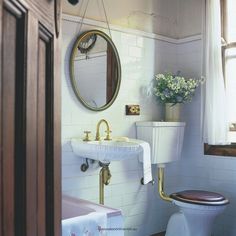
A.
pixel 87 138
pixel 108 137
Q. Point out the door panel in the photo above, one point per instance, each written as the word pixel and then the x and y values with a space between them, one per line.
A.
pixel 8 120
pixel 12 117
pixel 41 173
pixel 45 131
pixel 30 162
pixel 31 125
pixel 56 145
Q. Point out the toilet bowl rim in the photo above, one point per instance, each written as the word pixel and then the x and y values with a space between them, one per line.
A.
pixel 198 206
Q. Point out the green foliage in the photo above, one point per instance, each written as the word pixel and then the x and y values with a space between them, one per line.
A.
pixel 174 89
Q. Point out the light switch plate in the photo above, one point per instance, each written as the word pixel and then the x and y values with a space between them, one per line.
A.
pixel 132 110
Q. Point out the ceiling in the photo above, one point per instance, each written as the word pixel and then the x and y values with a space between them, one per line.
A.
pixel 156 16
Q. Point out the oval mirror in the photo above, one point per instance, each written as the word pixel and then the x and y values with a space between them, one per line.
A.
pixel 95 70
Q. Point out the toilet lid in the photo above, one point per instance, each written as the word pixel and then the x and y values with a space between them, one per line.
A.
pixel 200 197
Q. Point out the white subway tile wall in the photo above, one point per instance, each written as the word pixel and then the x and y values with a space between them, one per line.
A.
pixel 141 58
pixel 197 171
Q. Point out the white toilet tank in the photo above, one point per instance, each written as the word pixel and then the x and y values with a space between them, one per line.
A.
pixel 165 139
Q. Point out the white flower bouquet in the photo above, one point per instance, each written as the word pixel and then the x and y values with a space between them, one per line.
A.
pixel 173 89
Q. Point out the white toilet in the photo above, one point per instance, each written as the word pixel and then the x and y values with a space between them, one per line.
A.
pixel 197 209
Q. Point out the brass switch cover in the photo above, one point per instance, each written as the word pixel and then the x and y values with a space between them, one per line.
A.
pixel 132 110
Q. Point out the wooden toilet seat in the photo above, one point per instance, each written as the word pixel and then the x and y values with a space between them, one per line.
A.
pixel 200 197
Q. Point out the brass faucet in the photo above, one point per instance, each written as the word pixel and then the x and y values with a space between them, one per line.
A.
pixel 108 131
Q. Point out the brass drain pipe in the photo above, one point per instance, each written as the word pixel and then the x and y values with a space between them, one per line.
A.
pixel 104 179
pixel 163 195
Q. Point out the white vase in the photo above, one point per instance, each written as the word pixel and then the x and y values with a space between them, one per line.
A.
pixel 172 112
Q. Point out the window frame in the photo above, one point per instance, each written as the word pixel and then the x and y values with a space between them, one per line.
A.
pixel 222 150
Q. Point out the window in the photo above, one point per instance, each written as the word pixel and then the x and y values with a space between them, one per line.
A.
pixel 228 22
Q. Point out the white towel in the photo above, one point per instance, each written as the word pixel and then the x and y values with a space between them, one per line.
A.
pixel 145 158
pixel 86 225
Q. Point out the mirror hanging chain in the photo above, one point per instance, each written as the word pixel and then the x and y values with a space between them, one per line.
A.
pixel 83 16
pixel 84 13
pixel 105 13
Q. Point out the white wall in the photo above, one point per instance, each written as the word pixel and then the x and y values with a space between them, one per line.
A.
pixel 196 170
pixel 141 57
pixel 90 71
pixel 171 18
pixel 190 17
pixel 156 16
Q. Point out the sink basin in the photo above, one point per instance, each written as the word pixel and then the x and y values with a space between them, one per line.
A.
pixel 107 151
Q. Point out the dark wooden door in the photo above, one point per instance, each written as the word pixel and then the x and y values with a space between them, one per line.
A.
pixel 30 181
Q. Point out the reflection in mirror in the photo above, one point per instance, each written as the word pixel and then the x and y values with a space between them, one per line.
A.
pixel 95 70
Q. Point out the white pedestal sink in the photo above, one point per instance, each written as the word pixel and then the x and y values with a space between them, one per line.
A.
pixel 107 151
pixel 117 149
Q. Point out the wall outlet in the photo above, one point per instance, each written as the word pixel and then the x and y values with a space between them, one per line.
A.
pixel 132 110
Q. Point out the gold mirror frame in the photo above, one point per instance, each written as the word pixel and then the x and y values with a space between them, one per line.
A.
pixel 72 76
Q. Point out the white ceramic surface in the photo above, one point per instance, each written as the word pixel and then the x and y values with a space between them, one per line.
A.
pixel 81 213
pixel 165 139
pixel 193 219
pixel 107 151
